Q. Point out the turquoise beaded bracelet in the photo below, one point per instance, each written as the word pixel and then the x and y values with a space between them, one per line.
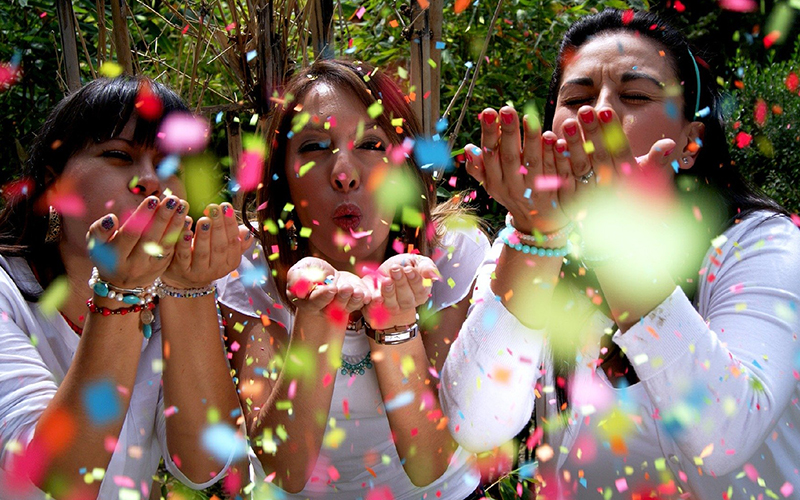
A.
pixel 530 249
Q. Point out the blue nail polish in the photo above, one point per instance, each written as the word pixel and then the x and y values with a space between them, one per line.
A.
pixel 108 222
pixel 205 226
pixel 171 203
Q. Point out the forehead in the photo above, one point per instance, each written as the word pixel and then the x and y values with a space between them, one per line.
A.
pixel 325 100
pixel 612 54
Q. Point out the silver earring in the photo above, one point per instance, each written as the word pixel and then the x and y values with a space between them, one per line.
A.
pixel 53 226
pixel 685 160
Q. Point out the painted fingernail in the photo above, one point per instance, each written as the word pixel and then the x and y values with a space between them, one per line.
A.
pixel 214 212
pixel 152 203
pixel 470 158
pixel 247 236
pixel 187 237
pixel 560 147
pixel 205 226
pixel 549 140
pixel 507 117
pixel 107 223
pixel 171 203
pixel 587 116
pixel 181 208
pixel 669 151
pixel 476 151
pixel 186 224
pixel 571 129
pixel 489 118
pixel 605 116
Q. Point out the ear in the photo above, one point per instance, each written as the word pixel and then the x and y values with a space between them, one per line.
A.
pixel 694 133
pixel 50 175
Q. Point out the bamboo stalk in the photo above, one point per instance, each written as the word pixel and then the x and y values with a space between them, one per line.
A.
pixel 83 44
pixel 122 42
pixel 101 31
pixel 197 46
pixel 69 47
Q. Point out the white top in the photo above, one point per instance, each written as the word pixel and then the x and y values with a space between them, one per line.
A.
pixel 716 410
pixel 36 351
pixel 341 473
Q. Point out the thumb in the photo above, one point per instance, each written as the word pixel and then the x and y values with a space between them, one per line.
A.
pixel 660 154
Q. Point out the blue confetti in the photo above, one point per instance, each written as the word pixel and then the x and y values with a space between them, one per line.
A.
pixel 434 154
pixel 251 55
pixel 469 64
pixel 105 256
pixel 440 45
pixel 168 166
pixel 101 402
pixel 351 50
pixel 675 166
pixel 218 118
pixel 441 125
pixel 527 193
pixel 222 442
pixel 403 399
pixel 257 275
pixel 704 112
pixel 671 110
pixel 489 319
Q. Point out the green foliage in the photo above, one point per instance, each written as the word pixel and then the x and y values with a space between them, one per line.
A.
pixel 764 107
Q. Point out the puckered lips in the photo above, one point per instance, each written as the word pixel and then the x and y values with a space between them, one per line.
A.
pixel 347 216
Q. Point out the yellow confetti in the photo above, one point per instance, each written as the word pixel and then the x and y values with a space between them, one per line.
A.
pixel 110 69
pixel 54 296
pixel 334 438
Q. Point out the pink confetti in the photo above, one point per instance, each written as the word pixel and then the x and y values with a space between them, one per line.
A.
pixel 292 389
pixel 235 346
pixel 172 410
pixel 68 204
pixel 326 380
pixel 738 5
pixel 523 170
pixel 787 489
pixel 9 74
pixel 752 473
pixel 124 482
pixel 796 220
pixel 110 443
pixel 743 139
pixel 251 169
pixel 380 493
pixel 183 133
pixel 332 472
pixel 547 182
pixel 360 234
pixel 737 288
pixel 360 12
pixel 346 408
pixel 621 484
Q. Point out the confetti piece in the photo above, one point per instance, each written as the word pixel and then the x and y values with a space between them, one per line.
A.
pixel 153 249
pixel 403 399
pixel 375 110
pixel 545 183
pixel 787 489
pixel 334 438
pixel 379 493
pixel 224 443
pixel 251 169
pixel 183 133
pixel 460 6
pixel 55 295
pixel 738 5
pixel 743 140
pixel 147 103
pixel 432 153
pixel 101 402
pixel 110 69
pixel 621 484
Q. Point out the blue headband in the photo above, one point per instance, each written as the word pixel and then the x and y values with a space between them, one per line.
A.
pixel 697 74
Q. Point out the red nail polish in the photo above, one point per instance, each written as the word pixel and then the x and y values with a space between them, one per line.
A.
pixel 669 152
pixel 489 118
pixel 605 116
pixel 507 118
pixel 549 140
pixel 560 147
pixel 571 129
pixel 587 116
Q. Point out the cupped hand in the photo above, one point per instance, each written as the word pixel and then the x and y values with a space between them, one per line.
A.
pixel 316 287
pixel 211 252
pixel 400 285
pixel 134 254
pixel 523 177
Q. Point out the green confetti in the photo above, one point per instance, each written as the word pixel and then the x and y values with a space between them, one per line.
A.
pixel 411 217
pixel 54 296
pixel 375 109
pixel 305 168
pixel 305 232
pixel 451 282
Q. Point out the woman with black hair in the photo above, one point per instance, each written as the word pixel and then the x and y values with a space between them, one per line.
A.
pixel 673 365
pixel 88 404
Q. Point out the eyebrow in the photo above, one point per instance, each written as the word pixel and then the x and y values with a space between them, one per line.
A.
pixel 630 76
pixel 320 127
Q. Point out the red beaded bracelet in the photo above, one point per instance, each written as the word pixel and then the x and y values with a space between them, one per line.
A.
pixel 146 316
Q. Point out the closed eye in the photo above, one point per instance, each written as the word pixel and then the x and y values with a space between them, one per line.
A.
pixel 311 146
pixel 575 102
pixel 636 97
pixel 117 155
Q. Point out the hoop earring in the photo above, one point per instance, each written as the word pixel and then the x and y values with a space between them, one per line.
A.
pixel 53 226
pixel 291 236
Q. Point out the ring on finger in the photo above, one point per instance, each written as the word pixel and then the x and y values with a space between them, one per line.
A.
pixel 311 290
pixel 585 178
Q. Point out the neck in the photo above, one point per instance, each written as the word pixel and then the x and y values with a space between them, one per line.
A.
pixel 79 269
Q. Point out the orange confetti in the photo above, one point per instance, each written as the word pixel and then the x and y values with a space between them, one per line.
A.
pixel 460 6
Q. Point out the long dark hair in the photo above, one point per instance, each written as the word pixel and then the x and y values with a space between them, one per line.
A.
pixel 97 112
pixel 714 182
pixel 367 84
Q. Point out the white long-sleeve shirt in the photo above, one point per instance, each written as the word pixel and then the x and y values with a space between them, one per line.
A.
pixel 715 413
pixel 36 350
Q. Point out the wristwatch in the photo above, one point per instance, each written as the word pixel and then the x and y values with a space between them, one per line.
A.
pixel 392 336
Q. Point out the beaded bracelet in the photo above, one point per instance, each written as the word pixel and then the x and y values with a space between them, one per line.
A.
pixel 537 236
pixel 130 296
pixel 146 315
pixel 183 293
pixel 509 232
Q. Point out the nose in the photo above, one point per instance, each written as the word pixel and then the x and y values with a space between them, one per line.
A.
pixel 606 100
pixel 344 176
pixel 147 182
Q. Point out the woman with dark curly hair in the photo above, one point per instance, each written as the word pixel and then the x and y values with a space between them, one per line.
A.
pixel 673 345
